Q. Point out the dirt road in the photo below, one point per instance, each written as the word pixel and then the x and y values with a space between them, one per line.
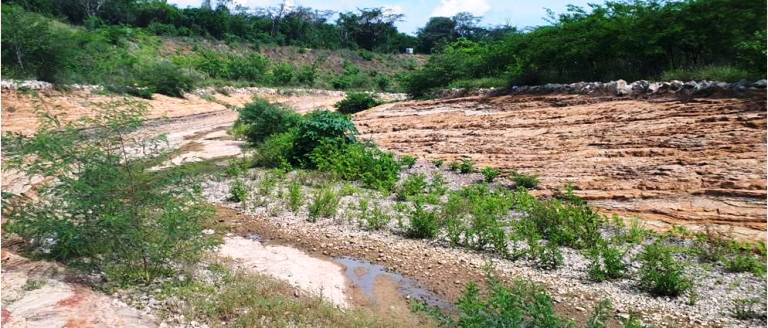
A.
pixel 695 162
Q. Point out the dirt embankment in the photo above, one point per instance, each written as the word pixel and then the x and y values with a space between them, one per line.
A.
pixel 695 162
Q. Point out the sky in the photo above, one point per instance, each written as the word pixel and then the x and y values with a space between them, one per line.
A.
pixel 520 13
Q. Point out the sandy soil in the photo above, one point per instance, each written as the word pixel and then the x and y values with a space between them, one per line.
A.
pixel 694 162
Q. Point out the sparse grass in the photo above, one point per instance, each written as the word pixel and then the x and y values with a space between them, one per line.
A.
pixel 746 309
pixel 324 204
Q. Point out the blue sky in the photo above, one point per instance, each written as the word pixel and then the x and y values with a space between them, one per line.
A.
pixel 515 12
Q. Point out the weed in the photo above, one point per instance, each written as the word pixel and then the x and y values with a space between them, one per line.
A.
pixel 549 257
pixel 524 180
pixel 413 185
pixel 489 174
pixel 606 263
pixel 294 196
pixel 32 284
pixel 660 273
pixel 632 322
pixel 745 263
pixel 465 165
pixel 356 102
pixel 347 189
pixel 423 222
pixel 438 163
pixel 407 161
pixel 746 309
pixel 600 315
pixel 373 218
pixel 373 167
pixel 324 204
pixel 238 191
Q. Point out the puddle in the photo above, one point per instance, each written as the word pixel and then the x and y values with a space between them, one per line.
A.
pixel 369 278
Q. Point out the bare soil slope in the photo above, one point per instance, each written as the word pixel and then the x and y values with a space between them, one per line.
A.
pixel 697 162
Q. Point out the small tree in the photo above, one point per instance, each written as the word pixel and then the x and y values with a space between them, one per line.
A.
pixel 101 204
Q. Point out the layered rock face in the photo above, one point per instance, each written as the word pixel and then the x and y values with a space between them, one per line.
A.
pixel 700 162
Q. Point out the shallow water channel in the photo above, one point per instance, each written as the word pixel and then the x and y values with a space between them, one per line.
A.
pixel 344 281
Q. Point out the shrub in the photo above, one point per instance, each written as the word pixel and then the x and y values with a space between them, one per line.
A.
pixel 525 181
pixel 565 224
pixel 277 150
pixel 354 161
pixel 413 185
pixel 489 174
pixel 238 191
pixel 260 119
pixel 464 165
pixel 549 257
pixel 745 263
pixel 373 218
pixel 294 196
pixel 283 73
pixel 105 208
pixel 606 263
pixel 324 204
pixel 423 222
pixel 716 73
pixel 747 309
pixel 318 127
pixel 307 75
pixel 356 102
pixel 250 67
pixel 438 163
pixel 165 78
pixel 407 161
pixel 600 315
pixel 521 304
pixel 660 273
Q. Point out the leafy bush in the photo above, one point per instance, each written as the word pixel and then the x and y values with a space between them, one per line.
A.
pixel 355 161
pixel 525 181
pixel 745 263
pixel 277 150
pixel 521 304
pixel 373 218
pixel 438 163
pixel 105 208
pixel 283 74
pixel 413 185
pixel 606 263
pixel 356 102
pixel 165 78
pixel 600 315
pixel 464 165
pixel 747 309
pixel 565 224
pixel 324 204
pixel 238 191
pixel 423 222
pixel 660 273
pixel 489 174
pixel 716 73
pixel 307 75
pixel 260 119
pixel 549 257
pixel 318 127
pixel 407 161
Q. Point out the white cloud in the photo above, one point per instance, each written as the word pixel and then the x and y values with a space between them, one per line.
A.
pixel 449 8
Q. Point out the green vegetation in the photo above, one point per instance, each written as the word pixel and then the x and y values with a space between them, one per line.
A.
pixel 524 180
pixel 489 174
pixel 407 161
pixel 294 196
pixel 464 165
pixel 238 191
pixel 372 218
pixel 423 222
pixel 324 204
pixel 105 210
pixel 660 273
pixel 606 263
pixel 355 161
pixel 260 119
pixel 648 40
pixel 356 102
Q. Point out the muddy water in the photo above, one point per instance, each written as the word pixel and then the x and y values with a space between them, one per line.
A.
pixel 343 281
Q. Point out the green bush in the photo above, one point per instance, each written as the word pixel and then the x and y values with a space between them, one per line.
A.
pixel 715 73
pixel 600 316
pixel 606 263
pixel 373 218
pixel 423 223
pixel 565 224
pixel 660 273
pixel 106 209
pixel 277 150
pixel 283 74
pixel 356 102
pixel 318 127
pixel 294 196
pixel 307 75
pixel 354 161
pixel 238 191
pixel 489 174
pixel 324 204
pixel 407 161
pixel 165 78
pixel 745 263
pixel 413 185
pixel 549 257
pixel 524 180
pixel 260 119
pixel 464 165
pixel 438 163
pixel 521 304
